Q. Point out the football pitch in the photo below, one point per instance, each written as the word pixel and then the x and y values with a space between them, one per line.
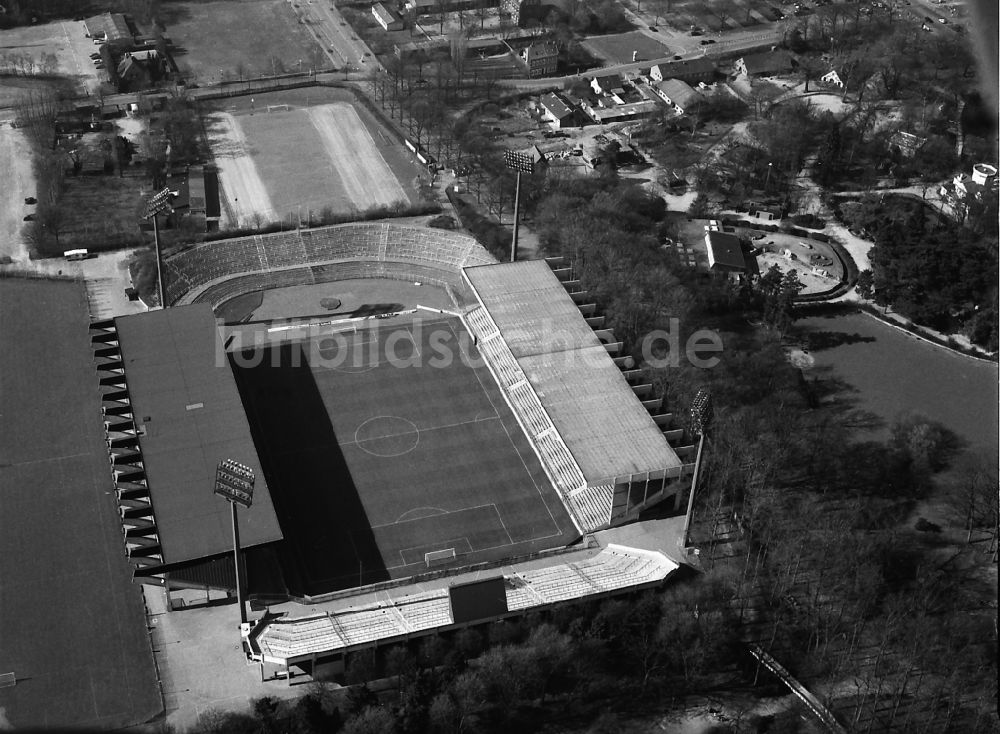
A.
pixel 281 161
pixel 390 452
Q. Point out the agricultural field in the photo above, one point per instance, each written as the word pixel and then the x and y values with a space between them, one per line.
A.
pixel 282 161
pixel 229 40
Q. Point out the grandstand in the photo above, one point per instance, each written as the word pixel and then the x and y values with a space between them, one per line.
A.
pixel 602 450
pixel 214 272
pixel 405 613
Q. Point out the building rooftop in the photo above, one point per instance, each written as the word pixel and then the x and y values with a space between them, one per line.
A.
pixel 725 251
pixel 767 62
pixel 679 92
pixel 603 424
pixel 190 416
pixel 680 69
pixel 555 105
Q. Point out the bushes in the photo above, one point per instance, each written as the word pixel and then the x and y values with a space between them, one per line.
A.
pixel 808 220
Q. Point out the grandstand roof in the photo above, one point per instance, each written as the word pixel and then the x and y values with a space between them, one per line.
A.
pixel 413 609
pixel 603 424
pixel 190 416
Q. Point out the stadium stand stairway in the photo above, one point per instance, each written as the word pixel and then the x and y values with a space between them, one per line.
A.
pixel 135 508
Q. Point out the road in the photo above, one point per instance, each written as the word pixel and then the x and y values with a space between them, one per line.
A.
pixel 340 42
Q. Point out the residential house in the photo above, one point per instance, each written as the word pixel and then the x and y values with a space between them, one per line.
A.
pixel 964 187
pixel 558 111
pixel 726 256
pixel 691 71
pixel 541 58
pixel 765 63
pixel 611 84
pixel 386 18
pixel 132 75
pixel 677 94
pixel 832 78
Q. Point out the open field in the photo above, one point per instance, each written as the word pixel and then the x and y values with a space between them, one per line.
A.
pixel 389 450
pixel 233 40
pixel 55 49
pixel 292 162
pixel 618 48
pixel 72 625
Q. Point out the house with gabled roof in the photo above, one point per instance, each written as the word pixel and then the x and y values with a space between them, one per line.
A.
pixel 765 63
pixel 677 94
pixel 691 71
pixel 558 111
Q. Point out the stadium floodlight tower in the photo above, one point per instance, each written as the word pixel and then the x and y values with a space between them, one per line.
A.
pixel 701 417
pixel 234 481
pixel 522 163
pixel 157 204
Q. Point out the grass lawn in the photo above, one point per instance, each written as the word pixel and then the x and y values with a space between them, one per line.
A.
pixel 233 39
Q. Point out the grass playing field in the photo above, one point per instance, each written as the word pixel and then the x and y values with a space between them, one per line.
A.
pixel 72 623
pixel 377 453
pixel 225 39
pixel 292 161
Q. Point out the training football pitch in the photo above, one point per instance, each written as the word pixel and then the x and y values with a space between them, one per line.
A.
pixel 390 451
pixel 284 162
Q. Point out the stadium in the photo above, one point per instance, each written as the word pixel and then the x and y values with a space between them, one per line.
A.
pixel 447 455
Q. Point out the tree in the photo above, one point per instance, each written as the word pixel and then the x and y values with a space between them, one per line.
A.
pixel 865 286
pixel 372 720
pixel 810 67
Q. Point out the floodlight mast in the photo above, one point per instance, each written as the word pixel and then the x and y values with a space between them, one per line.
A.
pixel 157 204
pixel 701 417
pixel 522 163
pixel 234 481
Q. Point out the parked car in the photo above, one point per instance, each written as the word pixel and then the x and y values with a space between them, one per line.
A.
pixel 942 20
pixel 696 33
pixel 707 41
pixel 653 28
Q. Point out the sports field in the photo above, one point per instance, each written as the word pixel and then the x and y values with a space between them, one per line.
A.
pixel 285 162
pixel 388 444
pixel 233 39
pixel 72 623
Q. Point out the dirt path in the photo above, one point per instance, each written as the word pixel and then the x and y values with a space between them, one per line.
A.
pixel 367 177
pixel 246 198
pixel 15 162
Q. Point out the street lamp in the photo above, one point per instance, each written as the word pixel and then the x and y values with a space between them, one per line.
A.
pixel 768 177
pixel 234 481
pixel 522 163
pixel 157 204
pixel 700 417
